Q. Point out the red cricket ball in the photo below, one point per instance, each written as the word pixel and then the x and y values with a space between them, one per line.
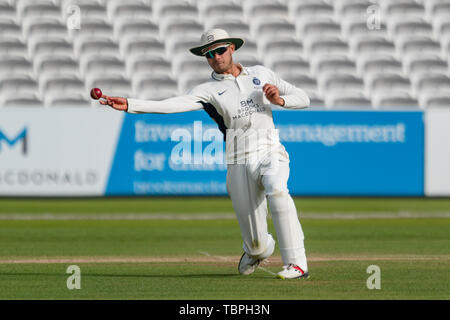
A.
pixel 96 93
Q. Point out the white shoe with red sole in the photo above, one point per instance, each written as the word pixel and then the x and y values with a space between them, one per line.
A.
pixel 292 271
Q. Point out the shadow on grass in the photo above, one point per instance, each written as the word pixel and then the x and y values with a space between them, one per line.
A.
pixel 209 275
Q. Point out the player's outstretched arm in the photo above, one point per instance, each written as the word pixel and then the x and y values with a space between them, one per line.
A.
pixel 188 102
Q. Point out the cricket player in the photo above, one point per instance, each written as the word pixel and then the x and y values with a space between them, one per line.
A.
pixel 239 99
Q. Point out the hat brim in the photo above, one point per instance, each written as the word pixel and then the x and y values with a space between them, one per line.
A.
pixel 199 51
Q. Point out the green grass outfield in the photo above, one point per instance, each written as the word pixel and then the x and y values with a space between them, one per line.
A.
pixel 188 248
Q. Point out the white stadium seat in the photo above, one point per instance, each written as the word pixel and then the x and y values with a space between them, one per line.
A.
pixel 72 100
pixel 188 63
pixel 38 9
pixel 105 64
pixel 317 102
pixel 61 84
pixel 44 27
pixel 50 45
pixel 180 45
pixel 88 8
pixel 250 47
pixel 403 8
pixel 256 9
pixel 392 100
pixel 317 26
pixel 441 26
pixel 10 27
pixel 139 45
pixel 435 99
pixel 18 83
pixel 371 44
pixel 429 82
pixel 369 64
pixel 7 9
pixel 22 100
pixel 128 9
pixel 358 26
pixel 215 10
pixel 174 9
pixel 348 100
pixel 12 46
pixel 404 26
pixel 325 45
pixel 436 8
pixel 289 65
pixel 413 45
pixel 332 64
pixel 137 64
pixel 236 27
pixel 424 63
pixel 280 47
pixel 188 81
pixel 384 82
pixel 248 60
pixel 90 45
pixel 271 27
pixel 316 8
pixel 55 63
pixel 346 9
pixel 154 87
pixel 302 81
pixel 93 27
pixel 140 27
pixel 112 84
pixel 176 27
pixel 15 65
pixel 332 82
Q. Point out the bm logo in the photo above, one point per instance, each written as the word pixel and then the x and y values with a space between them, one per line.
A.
pixel 20 138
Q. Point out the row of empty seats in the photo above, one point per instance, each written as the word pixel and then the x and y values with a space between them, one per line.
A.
pixel 344 53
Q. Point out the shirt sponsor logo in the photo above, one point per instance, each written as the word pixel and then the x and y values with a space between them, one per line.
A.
pixel 256 81
pixel 248 107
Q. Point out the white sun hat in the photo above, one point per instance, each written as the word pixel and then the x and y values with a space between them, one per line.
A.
pixel 212 37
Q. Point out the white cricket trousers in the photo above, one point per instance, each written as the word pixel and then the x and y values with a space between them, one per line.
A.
pixel 250 186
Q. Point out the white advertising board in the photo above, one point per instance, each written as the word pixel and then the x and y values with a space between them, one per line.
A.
pixel 59 152
pixel 437 152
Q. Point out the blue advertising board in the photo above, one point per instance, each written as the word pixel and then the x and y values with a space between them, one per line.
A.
pixel 143 161
pixel 354 153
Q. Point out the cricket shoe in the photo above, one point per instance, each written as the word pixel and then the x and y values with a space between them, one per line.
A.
pixel 247 264
pixel 292 271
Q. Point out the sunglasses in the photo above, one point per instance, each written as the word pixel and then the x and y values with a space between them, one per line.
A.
pixel 220 51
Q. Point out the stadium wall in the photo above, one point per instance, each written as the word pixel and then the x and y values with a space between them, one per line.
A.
pixel 100 152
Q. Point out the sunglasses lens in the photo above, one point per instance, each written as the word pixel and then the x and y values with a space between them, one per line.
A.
pixel 220 51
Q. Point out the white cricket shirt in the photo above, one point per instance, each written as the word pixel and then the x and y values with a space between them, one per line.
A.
pixel 238 106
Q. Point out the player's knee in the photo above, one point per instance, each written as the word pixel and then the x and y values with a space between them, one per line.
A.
pixel 277 190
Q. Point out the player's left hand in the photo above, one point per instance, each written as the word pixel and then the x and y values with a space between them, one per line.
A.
pixel 273 94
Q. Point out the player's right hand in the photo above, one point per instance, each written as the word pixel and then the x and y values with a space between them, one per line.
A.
pixel 117 103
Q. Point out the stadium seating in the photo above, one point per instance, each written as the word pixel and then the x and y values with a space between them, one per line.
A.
pixel 11 46
pixel 155 87
pixel 348 100
pixel 214 10
pixel 383 54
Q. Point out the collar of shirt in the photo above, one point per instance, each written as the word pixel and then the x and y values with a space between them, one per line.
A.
pixel 223 76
